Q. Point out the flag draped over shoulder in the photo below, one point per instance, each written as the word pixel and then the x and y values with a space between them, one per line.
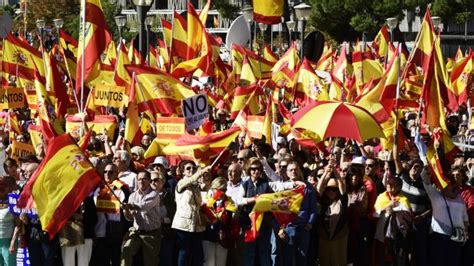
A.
pixel 268 11
pixel 60 184
pixel 285 205
pixel 96 40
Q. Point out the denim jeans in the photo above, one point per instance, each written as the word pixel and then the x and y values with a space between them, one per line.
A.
pixel 190 248
pixel 296 249
pixel 261 248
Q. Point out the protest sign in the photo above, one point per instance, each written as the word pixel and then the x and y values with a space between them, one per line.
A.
pixel 195 110
pixel 169 127
pixel 11 97
pixel 20 149
pixel 98 125
pixel 109 95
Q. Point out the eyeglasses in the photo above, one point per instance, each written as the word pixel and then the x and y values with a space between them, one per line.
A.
pixel 240 159
pixel 155 180
pixel 331 189
pixel 116 159
pixel 283 166
pixel 255 169
pixel 370 165
pixel 109 171
pixel 190 168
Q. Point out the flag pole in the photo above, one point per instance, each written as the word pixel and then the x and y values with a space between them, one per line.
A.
pixel 83 33
pixel 170 53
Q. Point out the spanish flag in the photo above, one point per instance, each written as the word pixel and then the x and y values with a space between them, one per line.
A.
pixel 380 43
pixel 133 133
pixel 268 11
pixel 460 77
pixel 60 184
pixel 96 40
pixel 179 36
pixel 424 42
pixel 159 92
pixel 285 205
pixel 308 87
pixel 199 147
pixel 19 59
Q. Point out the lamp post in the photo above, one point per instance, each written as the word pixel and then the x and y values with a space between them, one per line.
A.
pixel 40 24
pixel 291 25
pixel 436 23
pixel 58 23
pixel 391 24
pixel 263 28
pixel 247 11
pixel 302 11
pixel 149 22
pixel 120 20
pixel 142 8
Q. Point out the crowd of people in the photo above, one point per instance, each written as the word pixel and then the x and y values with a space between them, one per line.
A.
pixel 361 206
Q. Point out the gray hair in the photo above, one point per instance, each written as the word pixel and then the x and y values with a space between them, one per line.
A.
pixel 124 156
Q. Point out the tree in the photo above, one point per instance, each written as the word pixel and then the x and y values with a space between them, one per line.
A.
pixel 459 11
pixel 346 20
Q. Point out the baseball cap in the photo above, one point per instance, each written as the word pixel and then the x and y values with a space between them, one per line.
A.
pixel 358 160
pixel 161 160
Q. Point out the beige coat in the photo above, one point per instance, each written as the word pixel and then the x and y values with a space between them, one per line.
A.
pixel 188 216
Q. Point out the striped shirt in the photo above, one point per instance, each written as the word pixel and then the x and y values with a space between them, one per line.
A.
pixel 148 216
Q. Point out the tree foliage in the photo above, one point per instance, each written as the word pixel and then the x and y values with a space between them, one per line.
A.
pixel 348 19
pixel 457 10
pixel 68 10
pixel 226 9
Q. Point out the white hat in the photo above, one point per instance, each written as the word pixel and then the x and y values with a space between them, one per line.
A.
pixel 161 160
pixel 358 160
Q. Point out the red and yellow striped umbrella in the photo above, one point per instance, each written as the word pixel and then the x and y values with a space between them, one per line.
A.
pixel 337 119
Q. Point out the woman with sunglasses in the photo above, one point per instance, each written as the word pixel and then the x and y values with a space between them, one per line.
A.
pixel 257 184
pixel 333 227
pixel 188 222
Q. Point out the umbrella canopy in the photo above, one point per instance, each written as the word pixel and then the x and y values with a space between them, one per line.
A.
pixel 337 119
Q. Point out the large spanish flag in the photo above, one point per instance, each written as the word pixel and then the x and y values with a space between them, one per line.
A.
pixel 200 147
pixel 158 91
pixel 60 184
pixel 96 40
pixel 133 133
pixel 19 59
pixel 268 11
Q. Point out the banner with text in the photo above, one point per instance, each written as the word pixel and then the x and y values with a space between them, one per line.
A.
pixel 11 97
pixel 20 149
pixel 169 127
pixel 195 110
pixel 109 95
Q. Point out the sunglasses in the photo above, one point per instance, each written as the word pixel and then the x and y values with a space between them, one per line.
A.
pixel 116 159
pixel 155 180
pixel 331 189
pixel 190 168
pixel 109 171
pixel 283 166
pixel 240 159
pixel 255 169
pixel 370 165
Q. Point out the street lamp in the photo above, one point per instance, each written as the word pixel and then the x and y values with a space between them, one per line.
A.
pixel 263 28
pixel 247 11
pixel 58 23
pixel 40 24
pixel 436 23
pixel 303 12
pixel 291 25
pixel 148 22
pixel 142 8
pixel 392 24
pixel 120 20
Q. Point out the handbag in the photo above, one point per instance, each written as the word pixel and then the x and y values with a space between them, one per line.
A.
pixel 458 234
